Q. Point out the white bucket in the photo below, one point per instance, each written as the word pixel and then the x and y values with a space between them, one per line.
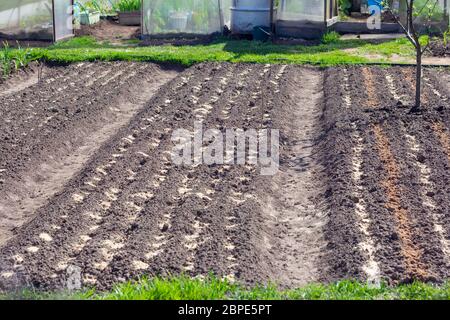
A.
pixel 179 20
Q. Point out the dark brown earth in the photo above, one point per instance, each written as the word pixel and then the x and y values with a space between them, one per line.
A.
pixel 362 190
pixel 438 48
pixel 53 126
pixel 109 30
pixel 402 180
pixel 20 79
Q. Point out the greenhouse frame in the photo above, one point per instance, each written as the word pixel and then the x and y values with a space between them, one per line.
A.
pixel 307 19
pixel 302 18
pixel 50 20
pixel 182 17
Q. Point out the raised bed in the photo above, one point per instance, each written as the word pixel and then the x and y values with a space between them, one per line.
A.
pixel 130 18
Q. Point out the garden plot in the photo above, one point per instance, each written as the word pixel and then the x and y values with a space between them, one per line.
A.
pixel 361 192
pixel 130 211
pixel 50 128
pixel 388 173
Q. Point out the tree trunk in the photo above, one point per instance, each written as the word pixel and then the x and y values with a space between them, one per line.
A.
pixel 418 77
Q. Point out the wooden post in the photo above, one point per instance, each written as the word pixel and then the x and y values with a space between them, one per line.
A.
pixel 222 23
pixel 272 29
pixel 142 19
pixel 447 12
pixel 54 21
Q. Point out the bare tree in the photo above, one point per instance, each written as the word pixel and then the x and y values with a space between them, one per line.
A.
pixel 413 33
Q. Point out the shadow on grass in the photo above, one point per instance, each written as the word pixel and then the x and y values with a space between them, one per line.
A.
pixel 233 46
pixel 241 47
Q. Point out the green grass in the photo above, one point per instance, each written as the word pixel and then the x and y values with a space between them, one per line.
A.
pixel 5 60
pixel 129 5
pixel 335 52
pixel 330 37
pixel 212 288
pixel 13 59
pixel 400 47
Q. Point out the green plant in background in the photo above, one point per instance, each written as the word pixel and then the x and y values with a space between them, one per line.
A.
pixel 6 59
pixel 21 58
pixel 446 37
pixel 128 5
pixel 12 60
pixel 87 6
pixel 426 10
pixel 103 6
pixel 345 6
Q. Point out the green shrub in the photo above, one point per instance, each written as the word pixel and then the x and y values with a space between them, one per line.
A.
pixel 330 37
pixel 345 6
pixel 129 5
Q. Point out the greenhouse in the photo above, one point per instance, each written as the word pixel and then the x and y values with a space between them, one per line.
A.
pixel 36 19
pixel 431 14
pixel 51 20
pixel 182 17
pixel 202 17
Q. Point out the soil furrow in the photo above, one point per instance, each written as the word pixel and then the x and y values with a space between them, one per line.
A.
pixel 367 246
pixel 427 191
pixel 384 225
pixel 412 254
pixel 213 253
pixel 294 212
pixel 341 258
pixel 140 260
pixel 140 263
pixel 413 198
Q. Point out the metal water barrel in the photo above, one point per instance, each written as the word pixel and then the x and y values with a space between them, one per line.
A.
pixel 247 14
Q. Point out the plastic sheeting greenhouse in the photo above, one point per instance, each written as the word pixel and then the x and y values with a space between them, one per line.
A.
pixel 306 18
pixel 430 16
pixel 434 12
pixel 36 19
pixel 182 17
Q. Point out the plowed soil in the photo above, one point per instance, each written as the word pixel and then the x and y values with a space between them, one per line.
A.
pixel 439 49
pixel 50 127
pixel 87 179
pixel 387 169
